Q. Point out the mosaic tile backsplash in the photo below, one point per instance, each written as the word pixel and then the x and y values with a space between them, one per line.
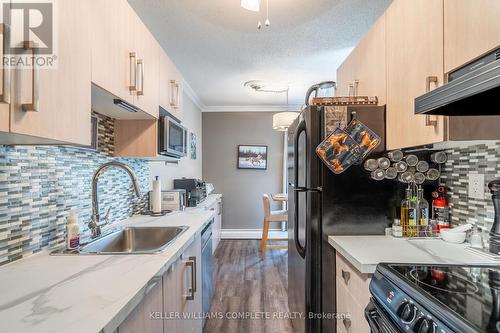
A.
pixel 481 159
pixel 39 184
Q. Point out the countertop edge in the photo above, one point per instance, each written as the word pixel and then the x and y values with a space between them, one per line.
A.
pixel 362 268
pixel 122 314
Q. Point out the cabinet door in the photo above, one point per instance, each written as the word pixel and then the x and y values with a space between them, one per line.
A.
pixel 4 107
pixel 172 298
pixel 192 306
pixel 369 63
pixel 148 55
pixel 414 53
pixel 112 43
pixel 471 28
pixel 139 320
pixel 64 92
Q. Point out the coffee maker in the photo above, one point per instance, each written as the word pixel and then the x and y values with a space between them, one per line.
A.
pixel 195 190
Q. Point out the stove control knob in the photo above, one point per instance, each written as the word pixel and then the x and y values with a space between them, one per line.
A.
pixel 407 312
pixel 424 326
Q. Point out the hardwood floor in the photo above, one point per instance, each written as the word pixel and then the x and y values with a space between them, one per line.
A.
pixel 245 284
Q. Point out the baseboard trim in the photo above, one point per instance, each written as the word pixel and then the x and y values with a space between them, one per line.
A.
pixel 251 233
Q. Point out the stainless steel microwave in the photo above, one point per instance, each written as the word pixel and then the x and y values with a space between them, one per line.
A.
pixel 172 137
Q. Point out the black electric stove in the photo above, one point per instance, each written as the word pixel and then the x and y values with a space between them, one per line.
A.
pixel 434 299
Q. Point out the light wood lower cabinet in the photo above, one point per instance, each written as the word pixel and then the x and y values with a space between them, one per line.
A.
pixel 139 320
pixel 176 296
pixel 414 53
pixel 352 297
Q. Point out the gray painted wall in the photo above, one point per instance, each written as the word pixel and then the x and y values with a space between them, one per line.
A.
pixel 241 189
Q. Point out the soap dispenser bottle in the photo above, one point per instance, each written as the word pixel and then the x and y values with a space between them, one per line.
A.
pixel 73 231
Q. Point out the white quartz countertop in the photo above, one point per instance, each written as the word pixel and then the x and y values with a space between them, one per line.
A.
pixel 365 252
pixel 89 293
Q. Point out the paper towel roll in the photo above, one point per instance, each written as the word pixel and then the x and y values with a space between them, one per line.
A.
pixel 156 196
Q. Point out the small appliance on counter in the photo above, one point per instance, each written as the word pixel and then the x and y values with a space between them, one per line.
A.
pixel 424 298
pixel 171 200
pixel 196 190
pixel 209 187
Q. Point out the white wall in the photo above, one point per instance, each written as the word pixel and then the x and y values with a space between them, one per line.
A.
pixel 187 167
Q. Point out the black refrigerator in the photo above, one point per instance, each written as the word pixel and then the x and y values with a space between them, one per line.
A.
pixel 322 203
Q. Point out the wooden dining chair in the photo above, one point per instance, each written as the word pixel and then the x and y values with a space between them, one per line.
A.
pixel 271 216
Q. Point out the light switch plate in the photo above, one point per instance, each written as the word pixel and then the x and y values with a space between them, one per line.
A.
pixel 476 186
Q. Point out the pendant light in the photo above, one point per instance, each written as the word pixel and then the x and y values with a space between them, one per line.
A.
pixel 252 5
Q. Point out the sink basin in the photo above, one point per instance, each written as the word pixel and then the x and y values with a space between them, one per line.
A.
pixel 134 240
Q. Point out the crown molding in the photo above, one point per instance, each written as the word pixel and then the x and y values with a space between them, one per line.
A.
pixel 253 108
pixel 193 96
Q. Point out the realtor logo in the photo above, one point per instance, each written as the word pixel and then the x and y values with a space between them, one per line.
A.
pixel 30 29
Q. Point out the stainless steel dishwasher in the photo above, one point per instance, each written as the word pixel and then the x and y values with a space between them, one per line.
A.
pixel 207 269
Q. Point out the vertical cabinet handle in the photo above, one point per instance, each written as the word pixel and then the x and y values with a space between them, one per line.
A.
pixel 5 96
pixel 33 106
pixel 140 70
pixel 347 323
pixel 346 276
pixel 429 121
pixel 172 92
pixel 350 89
pixel 177 97
pixel 355 85
pixel 192 264
pixel 133 71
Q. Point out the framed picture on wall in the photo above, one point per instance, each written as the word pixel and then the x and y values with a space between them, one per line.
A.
pixel 192 145
pixel 252 157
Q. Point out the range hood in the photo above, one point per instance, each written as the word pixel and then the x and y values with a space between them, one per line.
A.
pixel 472 90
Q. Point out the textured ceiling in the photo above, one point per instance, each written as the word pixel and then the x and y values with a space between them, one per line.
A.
pixel 217 47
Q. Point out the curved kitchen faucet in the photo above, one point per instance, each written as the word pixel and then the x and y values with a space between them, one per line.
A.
pixel 94 225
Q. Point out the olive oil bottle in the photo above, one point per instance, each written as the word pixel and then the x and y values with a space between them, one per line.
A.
pixel 408 215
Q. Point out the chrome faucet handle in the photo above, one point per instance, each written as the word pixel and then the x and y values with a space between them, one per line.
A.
pixel 106 217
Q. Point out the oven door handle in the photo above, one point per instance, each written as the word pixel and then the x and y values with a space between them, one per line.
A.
pixel 378 320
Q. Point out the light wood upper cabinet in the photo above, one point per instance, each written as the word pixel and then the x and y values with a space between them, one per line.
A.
pixel 414 53
pixel 148 56
pixel 4 106
pixel 471 29
pixel 112 43
pixel 64 92
pixel 366 65
pixel 170 86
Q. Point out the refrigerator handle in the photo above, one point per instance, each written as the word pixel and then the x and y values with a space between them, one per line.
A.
pixel 300 249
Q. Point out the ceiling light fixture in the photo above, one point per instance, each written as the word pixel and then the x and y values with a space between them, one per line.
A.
pixel 268 87
pixel 252 5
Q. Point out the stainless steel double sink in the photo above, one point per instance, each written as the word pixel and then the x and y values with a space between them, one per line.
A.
pixel 133 240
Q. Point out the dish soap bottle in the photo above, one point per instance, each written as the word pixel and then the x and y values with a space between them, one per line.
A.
pixel 407 214
pixel 73 231
pixel 423 212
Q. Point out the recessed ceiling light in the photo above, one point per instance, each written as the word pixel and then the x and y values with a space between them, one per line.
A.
pixel 253 5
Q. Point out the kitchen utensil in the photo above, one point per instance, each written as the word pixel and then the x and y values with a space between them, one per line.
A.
pixel 371 164
pixel 439 157
pixel 422 166
pixel 432 174
pixel 383 163
pixel 411 160
pixel 494 187
pixel 418 178
pixel 378 174
pixel 364 137
pixel 391 173
pixel 401 166
pixel 406 177
pixel 339 151
pixel 453 237
pixel 395 155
